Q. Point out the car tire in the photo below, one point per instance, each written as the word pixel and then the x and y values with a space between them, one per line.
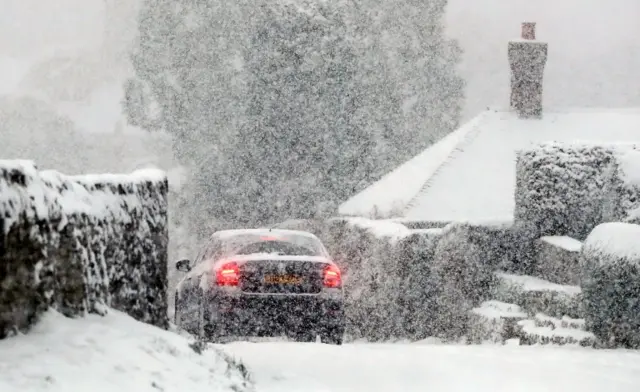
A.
pixel 208 332
pixel 203 331
pixel 177 317
pixel 332 335
pixel 305 336
pixel 212 334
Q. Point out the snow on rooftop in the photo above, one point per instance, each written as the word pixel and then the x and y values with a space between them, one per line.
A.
pixel 564 242
pixel 396 189
pixel 470 174
pixel 618 239
pixel 111 353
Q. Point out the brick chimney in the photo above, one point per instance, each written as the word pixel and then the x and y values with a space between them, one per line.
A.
pixel 527 58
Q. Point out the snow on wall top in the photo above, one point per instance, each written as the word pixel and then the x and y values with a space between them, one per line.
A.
pixel 618 239
pixel 138 176
pixel 21 191
pixel 470 174
pixel 46 194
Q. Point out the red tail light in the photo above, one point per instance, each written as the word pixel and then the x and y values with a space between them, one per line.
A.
pixel 332 277
pixel 228 274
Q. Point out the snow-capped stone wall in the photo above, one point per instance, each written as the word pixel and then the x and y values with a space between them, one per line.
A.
pixel 610 280
pixel 568 189
pixel 81 243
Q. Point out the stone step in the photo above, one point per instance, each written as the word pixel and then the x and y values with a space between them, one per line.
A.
pixel 566 322
pixel 495 322
pixel 535 295
pixel 531 334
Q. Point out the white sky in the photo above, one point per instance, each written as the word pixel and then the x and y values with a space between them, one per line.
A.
pixel 594 57
pixel 594 49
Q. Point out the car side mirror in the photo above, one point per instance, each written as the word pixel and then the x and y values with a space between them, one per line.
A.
pixel 183 265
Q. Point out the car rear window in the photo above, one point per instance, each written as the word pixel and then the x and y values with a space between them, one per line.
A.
pixel 277 247
pixel 293 245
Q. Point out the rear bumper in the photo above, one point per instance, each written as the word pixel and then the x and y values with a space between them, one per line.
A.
pixel 272 314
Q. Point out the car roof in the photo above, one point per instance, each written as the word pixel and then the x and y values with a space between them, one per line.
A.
pixel 222 234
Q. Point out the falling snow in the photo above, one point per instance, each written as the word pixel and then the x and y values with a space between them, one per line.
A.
pixel 463 232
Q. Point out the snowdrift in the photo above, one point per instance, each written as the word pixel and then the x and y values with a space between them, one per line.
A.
pixel 81 243
pixel 113 353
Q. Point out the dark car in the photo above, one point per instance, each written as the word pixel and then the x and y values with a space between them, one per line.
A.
pixel 261 282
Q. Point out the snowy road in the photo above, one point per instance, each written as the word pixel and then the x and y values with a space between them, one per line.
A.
pixel 289 367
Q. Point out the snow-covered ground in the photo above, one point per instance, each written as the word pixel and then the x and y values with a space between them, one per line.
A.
pixel 314 367
pixel 116 353
pixel 112 353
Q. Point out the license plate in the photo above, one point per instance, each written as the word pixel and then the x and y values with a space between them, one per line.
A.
pixel 282 279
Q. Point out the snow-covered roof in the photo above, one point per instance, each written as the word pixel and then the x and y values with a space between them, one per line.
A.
pixel 469 175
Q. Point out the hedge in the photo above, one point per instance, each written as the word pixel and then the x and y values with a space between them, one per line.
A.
pixel 568 189
pixel 81 244
pixel 610 279
pixel 462 271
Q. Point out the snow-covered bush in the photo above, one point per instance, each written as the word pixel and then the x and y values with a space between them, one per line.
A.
pixel 415 253
pixel 462 273
pixel 559 188
pixel 349 246
pixel 568 189
pixel 368 253
pixel 81 243
pixel 610 279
